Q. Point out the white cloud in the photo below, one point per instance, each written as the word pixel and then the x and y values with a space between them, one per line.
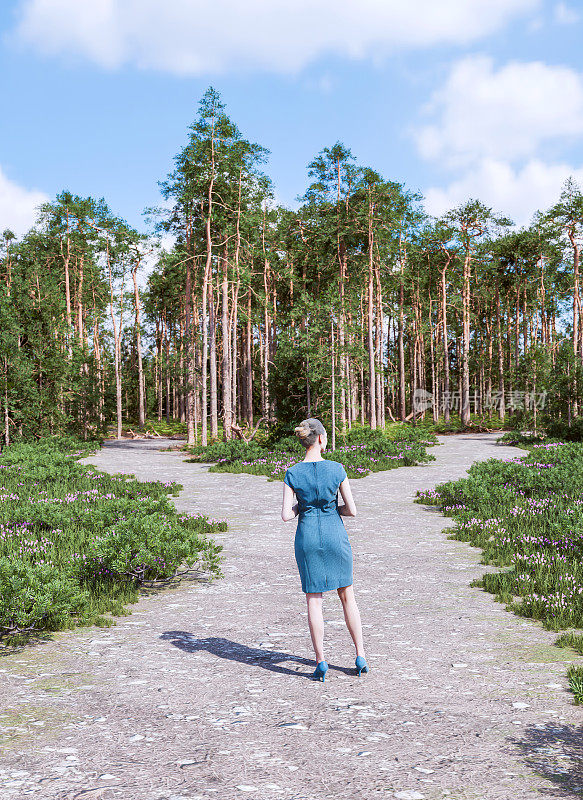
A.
pixel 491 131
pixel 192 37
pixel 564 15
pixel 514 192
pixel 18 205
pixel 507 113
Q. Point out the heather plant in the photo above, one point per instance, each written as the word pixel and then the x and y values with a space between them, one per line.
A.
pixel 362 451
pixel 76 542
pixel 236 448
pixel 526 514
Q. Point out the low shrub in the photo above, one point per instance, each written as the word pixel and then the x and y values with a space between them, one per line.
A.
pixel 236 448
pixel 76 542
pixel 361 451
pixel 526 514
pixel 558 429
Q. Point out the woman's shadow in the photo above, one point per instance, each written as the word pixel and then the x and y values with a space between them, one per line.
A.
pixel 555 751
pixel 233 651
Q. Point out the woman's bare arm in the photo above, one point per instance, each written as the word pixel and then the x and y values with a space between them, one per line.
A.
pixel 349 507
pixel 288 511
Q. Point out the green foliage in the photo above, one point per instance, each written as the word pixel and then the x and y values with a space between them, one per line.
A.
pixel 290 443
pixel 483 422
pixel 552 430
pixel 163 428
pixel 76 542
pixel 575 678
pixel 571 639
pixel 362 451
pixel 524 440
pixel 558 429
pixel 36 595
pixel 526 514
pixel 236 448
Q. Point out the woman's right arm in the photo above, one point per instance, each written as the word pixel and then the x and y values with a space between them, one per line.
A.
pixel 288 511
pixel 349 507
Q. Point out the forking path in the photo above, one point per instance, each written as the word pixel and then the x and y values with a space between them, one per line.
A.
pixel 203 691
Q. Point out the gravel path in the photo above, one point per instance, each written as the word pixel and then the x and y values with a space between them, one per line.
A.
pixel 203 690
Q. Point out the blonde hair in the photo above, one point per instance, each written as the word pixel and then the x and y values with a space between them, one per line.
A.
pixel 308 431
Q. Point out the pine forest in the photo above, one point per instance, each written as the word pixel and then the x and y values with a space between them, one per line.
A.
pixel 355 307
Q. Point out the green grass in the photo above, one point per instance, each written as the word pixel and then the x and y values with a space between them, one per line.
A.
pixel 478 422
pixel 571 639
pixel 575 678
pixel 171 428
pixel 361 452
pixel 77 544
pixel 526 514
pixel 152 426
pixel 525 440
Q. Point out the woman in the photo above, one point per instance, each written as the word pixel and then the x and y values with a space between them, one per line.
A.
pixel 323 552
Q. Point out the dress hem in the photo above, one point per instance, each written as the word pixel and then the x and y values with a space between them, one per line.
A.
pixel 328 588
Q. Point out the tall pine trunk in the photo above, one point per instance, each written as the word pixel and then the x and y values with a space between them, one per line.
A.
pixel 141 395
pixel 190 355
pixel 465 371
pixel 225 361
pixel 372 416
pixel 117 347
pixel 205 292
pixel 213 363
pixel 446 378
pixel 333 381
pixel 501 387
pixel 401 343
pixel 249 362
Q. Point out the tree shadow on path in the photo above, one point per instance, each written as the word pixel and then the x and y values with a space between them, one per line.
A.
pixel 234 651
pixel 555 752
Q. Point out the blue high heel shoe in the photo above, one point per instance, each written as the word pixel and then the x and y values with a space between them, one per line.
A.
pixel 361 664
pixel 320 672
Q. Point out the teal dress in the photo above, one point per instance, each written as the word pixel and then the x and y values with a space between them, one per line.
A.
pixel 323 552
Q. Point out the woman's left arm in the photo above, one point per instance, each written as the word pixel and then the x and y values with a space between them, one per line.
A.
pixel 288 511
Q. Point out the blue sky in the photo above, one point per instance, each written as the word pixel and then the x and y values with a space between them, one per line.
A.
pixel 456 99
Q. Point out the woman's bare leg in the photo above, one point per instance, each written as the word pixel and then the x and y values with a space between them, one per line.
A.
pixel 316 623
pixel 352 617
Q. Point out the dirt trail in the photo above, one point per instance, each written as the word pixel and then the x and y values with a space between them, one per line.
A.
pixel 203 691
